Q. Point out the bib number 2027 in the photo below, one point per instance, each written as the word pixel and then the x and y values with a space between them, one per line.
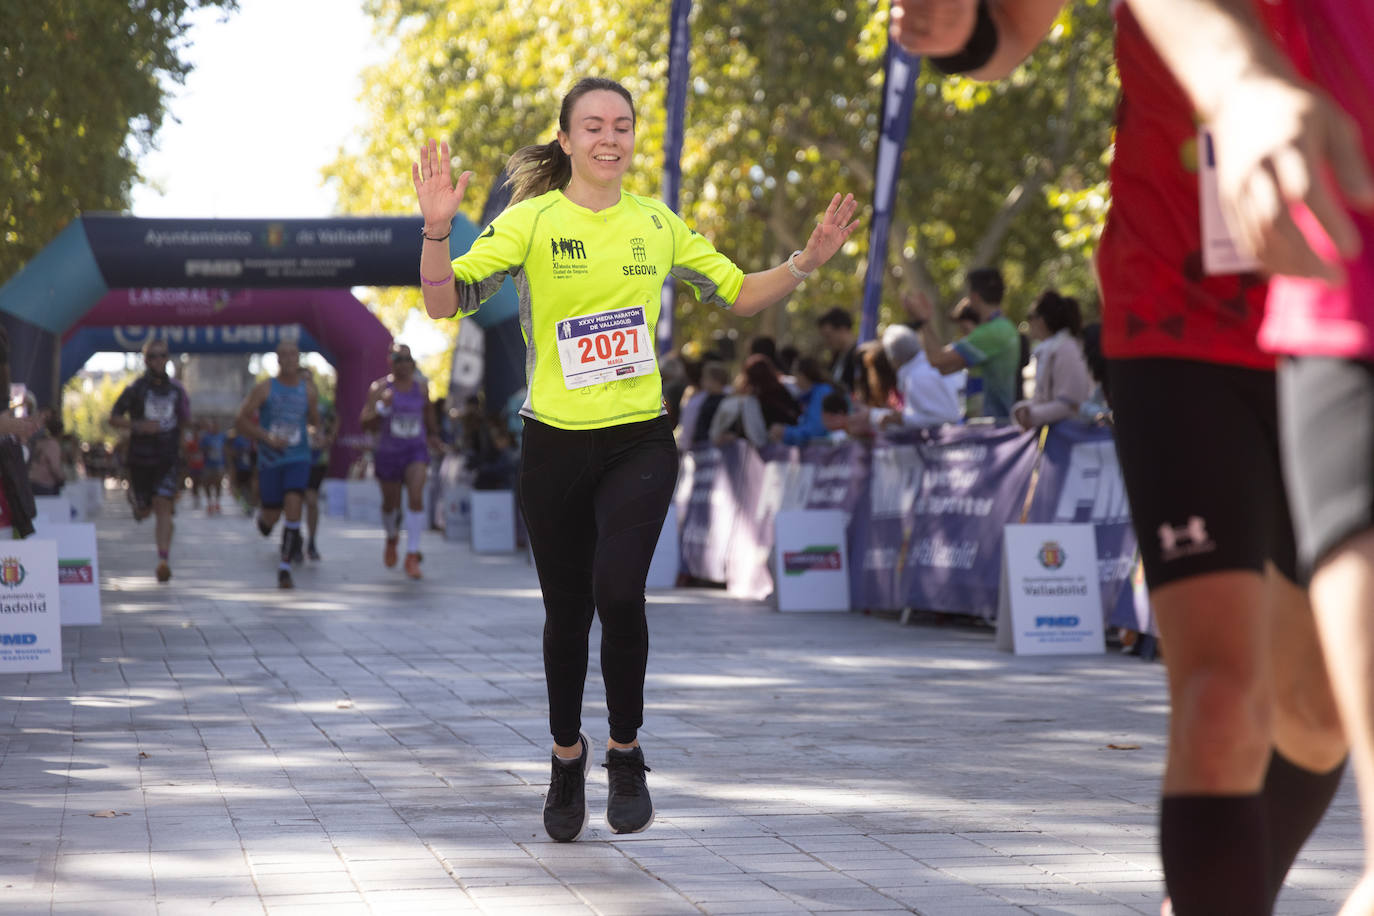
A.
pixel 605 346
pixel 595 349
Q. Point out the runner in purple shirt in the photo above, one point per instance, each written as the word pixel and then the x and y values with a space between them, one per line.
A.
pixel 398 408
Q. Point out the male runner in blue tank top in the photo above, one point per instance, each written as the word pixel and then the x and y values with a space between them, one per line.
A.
pixel 397 406
pixel 279 413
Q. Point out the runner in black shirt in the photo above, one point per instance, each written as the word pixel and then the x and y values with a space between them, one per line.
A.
pixel 154 408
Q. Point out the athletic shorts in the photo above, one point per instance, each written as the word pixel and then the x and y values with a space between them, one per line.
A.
pixel 317 472
pixel 1198 445
pixel 391 463
pixel 1328 447
pixel 275 481
pixel 147 481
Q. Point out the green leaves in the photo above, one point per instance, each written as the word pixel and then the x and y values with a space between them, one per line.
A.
pixel 782 113
pixel 82 94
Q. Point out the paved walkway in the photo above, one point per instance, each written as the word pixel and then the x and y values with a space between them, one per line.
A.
pixel 368 744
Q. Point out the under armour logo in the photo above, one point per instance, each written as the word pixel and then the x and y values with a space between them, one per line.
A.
pixel 1186 541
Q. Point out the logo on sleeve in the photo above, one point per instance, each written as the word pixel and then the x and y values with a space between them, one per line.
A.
pixel 654 217
pixel 491 230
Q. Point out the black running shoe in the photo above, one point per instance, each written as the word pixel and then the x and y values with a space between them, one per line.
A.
pixel 565 807
pixel 284 579
pixel 628 806
pixel 311 552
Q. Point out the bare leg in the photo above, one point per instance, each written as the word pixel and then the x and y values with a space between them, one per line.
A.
pixel 1219 690
pixel 1342 596
pixel 162 508
pixel 312 512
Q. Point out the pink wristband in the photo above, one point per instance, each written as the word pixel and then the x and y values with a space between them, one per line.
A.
pixel 436 282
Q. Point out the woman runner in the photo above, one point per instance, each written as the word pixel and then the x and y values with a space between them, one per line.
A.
pixel 598 461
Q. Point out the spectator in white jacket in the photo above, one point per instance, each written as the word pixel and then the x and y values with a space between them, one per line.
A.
pixel 1062 382
pixel 928 397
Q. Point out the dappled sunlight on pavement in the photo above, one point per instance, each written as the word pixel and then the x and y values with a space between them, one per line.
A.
pixel 367 743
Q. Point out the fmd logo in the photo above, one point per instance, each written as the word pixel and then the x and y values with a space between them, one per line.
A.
pixel 11 572
pixel 1057 622
pixel 18 639
pixel 1051 555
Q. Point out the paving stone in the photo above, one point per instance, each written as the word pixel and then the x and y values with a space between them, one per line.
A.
pixel 369 744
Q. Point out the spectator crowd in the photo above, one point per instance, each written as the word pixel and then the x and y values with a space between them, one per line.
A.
pixel 833 388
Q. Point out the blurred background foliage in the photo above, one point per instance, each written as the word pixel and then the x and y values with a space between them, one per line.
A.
pixel 782 112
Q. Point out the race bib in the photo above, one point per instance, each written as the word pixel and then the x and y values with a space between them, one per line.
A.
pixel 1222 252
pixel 287 432
pixel 163 409
pixel 407 426
pixel 595 349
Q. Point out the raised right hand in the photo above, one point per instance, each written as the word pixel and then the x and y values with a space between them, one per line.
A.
pixel 433 176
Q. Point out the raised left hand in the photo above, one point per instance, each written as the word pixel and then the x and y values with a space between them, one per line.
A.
pixel 832 231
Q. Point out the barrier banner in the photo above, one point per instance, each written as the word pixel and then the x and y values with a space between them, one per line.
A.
pixel 1080 481
pixel 746 556
pixel 881 524
pixel 972 482
pixel 779 478
pixel 707 507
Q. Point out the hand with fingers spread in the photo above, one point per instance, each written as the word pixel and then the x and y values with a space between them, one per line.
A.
pixel 831 232
pixel 439 197
pixel 1280 145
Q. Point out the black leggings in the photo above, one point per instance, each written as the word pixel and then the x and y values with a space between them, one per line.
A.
pixel 594 502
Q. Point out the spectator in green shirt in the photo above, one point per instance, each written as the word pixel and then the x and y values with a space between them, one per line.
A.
pixel 991 351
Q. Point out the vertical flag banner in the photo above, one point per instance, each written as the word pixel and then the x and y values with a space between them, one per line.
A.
pixel 899 89
pixel 675 109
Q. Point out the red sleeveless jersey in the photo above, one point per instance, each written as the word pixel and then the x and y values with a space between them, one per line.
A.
pixel 1156 301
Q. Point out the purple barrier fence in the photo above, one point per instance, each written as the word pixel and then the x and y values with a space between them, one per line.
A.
pixel 926 508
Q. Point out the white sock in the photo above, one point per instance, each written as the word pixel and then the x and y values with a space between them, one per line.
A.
pixel 391 521
pixel 415 523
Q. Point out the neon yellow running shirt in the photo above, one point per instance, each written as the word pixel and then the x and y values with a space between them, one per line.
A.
pixel 589 287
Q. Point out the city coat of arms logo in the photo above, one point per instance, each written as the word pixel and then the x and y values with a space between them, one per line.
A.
pixel 11 572
pixel 1051 555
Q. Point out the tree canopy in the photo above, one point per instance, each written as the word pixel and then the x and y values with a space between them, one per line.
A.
pixel 83 90
pixel 783 112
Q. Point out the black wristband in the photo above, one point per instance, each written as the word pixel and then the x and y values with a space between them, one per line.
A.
pixel 977 51
pixel 432 238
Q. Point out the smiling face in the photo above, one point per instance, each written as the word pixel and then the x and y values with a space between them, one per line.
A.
pixel 600 139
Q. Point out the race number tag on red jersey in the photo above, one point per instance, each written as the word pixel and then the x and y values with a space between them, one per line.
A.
pixel 1222 252
pixel 604 347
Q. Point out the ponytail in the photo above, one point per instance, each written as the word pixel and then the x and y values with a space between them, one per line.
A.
pixel 537 169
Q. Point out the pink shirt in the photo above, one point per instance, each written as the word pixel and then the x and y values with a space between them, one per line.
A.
pixel 1329 41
